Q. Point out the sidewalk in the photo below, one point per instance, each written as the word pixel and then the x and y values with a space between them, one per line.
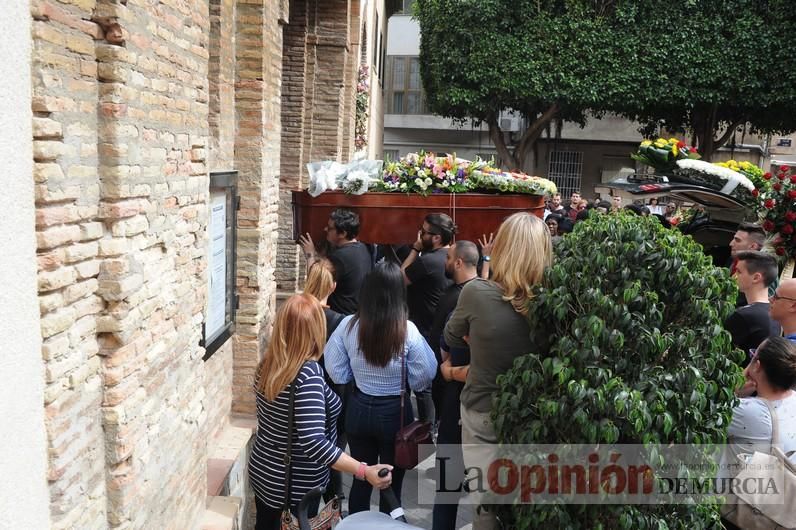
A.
pixel 417 515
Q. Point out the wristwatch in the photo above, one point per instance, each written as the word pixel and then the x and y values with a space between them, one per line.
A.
pixel 487 258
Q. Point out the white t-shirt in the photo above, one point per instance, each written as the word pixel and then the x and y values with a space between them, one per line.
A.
pixel 750 428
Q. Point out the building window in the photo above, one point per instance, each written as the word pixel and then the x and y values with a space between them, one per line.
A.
pixel 392 154
pixel 406 7
pixel 566 168
pixel 404 88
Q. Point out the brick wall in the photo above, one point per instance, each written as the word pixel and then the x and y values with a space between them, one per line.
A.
pixel 257 147
pixel 64 87
pixel 121 118
pixel 320 64
pixel 134 103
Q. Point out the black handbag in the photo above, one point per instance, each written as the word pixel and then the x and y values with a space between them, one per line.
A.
pixel 408 439
pixel 331 513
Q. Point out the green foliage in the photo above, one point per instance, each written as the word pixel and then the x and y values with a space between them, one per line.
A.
pixel 701 64
pixel 637 354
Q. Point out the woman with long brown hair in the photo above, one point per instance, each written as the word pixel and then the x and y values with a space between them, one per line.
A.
pixel 368 348
pixel 291 365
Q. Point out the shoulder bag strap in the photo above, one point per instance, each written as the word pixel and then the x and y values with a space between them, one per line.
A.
pixel 288 453
pixel 403 387
pixel 774 425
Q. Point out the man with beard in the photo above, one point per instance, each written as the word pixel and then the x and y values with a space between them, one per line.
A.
pixel 424 276
pixel 460 266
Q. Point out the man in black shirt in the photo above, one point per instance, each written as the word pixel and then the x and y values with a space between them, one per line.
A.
pixel 424 276
pixel 461 267
pixel 424 270
pixel 751 324
pixel 351 259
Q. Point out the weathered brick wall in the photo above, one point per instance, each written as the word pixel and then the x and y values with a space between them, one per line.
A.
pixel 257 146
pixel 134 103
pixel 296 99
pixel 220 157
pixel 121 128
pixel 320 62
pixel 64 87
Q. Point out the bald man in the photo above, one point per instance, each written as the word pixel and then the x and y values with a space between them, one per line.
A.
pixel 782 308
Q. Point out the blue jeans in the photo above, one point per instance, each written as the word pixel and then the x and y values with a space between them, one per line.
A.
pixel 371 424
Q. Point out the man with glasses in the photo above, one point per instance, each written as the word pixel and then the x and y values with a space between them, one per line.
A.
pixel 751 324
pixel 782 308
pixel 424 276
pixel 351 259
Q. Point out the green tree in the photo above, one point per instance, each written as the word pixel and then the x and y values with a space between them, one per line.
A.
pixel 705 66
pixel 542 59
pixel 713 68
pixel 637 355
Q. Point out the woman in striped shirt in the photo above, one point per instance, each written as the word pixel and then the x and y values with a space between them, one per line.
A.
pixel 296 345
pixel 367 348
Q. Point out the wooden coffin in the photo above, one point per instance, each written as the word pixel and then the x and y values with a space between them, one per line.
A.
pixel 395 218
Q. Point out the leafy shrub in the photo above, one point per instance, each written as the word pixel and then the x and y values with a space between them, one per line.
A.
pixel 637 354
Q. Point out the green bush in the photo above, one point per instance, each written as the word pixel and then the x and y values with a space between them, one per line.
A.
pixel 637 354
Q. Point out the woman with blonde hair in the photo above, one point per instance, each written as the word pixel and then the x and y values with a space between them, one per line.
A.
pixel 492 315
pixel 321 284
pixel 290 372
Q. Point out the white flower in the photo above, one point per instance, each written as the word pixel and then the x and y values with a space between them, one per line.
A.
pixel 723 173
pixel 418 182
pixel 403 185
pixel 428 181
pixel 422 173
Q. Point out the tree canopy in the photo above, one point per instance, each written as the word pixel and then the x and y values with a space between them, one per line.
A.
pixel 704 65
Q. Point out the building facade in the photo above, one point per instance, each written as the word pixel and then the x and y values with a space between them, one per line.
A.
pixel 128 112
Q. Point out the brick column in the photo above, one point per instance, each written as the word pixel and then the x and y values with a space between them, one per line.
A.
pixel 257 147
pixel 320 73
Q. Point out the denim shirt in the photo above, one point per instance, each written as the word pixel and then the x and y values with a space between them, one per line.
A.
pixel 344 362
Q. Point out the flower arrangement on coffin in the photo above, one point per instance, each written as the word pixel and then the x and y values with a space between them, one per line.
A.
pixel 679 162
pixel 426 173
pixel 751 171
pixel 422 173
pixel 778 211
pixel 663 154
pixel 722 179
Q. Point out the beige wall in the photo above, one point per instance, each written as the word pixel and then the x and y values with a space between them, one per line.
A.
pixel 23 454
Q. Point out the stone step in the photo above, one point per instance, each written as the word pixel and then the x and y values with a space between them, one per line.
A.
pixel 230 503
pixel 222 513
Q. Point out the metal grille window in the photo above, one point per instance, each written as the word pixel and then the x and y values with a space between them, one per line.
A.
pixel 566 169
pixel 404 88
pixel 392 154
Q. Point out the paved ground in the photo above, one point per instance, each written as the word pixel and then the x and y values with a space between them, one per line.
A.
pixel 417 514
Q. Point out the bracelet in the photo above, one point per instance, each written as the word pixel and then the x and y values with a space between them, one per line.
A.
pixel 360 474
pixel 416 250
pixel 487 258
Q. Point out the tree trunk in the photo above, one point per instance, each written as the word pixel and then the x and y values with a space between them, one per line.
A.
pixel 496 135
pixel 515 159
